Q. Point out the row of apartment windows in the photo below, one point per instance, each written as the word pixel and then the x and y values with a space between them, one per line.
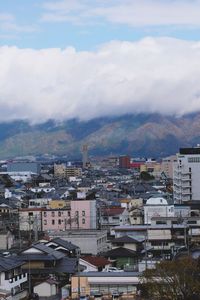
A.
pixel 59 213
pixel 83 213
pixel 194 159
pixel 61 221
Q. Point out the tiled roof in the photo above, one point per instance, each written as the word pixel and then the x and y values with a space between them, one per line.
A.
pixel 97 261
pixel 9 263
pixel 64 244
pixel 120 252
pixel 112 211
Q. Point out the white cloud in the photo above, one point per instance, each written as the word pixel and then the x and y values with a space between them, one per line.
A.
pixel 151 75
pixel 129 12
pixel 9 26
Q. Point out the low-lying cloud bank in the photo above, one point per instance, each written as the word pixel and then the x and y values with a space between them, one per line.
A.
pixel 152 75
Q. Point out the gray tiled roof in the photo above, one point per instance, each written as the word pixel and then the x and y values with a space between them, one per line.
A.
pixel 8 263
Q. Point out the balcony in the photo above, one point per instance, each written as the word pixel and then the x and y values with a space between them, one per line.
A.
pixel 186 192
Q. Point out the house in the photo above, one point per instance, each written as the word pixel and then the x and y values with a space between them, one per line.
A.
pixel 123 258
pixel 127 242
pixel 94 263
pixel 13 279
pixel 42 260
pixel 47 289
pixel 113 216
pixel 64 246
pixel 157 207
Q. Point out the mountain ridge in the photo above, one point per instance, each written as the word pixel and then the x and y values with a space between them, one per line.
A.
pixel 152 135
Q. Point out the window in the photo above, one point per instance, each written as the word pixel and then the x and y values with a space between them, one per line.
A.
pixel 194 160
pixel 59 222
pixel 83 213
pixel 45 222
pixel 30 214
pixel 192 222
pixel 161 222
pixel 53 214
pixel 83 221
pixel 53 222
pixel 45 214
pixel 68 213
pixel 59 213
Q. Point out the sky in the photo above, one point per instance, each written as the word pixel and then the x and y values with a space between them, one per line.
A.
pixel 82 59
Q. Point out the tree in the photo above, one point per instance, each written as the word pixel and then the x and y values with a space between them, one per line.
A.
pixel 146 176
pixel 172 280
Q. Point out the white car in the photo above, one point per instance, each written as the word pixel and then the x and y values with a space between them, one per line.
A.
pixel 112 269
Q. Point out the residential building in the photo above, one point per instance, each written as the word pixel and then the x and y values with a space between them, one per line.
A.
pixel 30 219
pixel 92 263
pixel 63 171
pixel 48 289
pixel 39 202
pixel 73 172
pixel 114 216
pixel 167 165
pixel 124 162
pixel 186 179
pixel 58 204
pixel 59 170
pixel 64 246
pixel 56 219
pixel 83 214
pixel 13 280
pixel 157 207
pixel 41 260
pixel 89 241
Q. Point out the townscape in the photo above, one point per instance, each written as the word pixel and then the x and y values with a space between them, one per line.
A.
pixel 100 150
pixel 90 228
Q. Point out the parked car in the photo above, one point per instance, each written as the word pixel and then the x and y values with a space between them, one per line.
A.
pixel 112 269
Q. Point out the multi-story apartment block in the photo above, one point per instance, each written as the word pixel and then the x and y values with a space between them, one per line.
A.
pixel 59 170
pixel 186 175
pixel 56 219
pixel 83 214
pixel 30 219
pixel 167 165
pixel 63 171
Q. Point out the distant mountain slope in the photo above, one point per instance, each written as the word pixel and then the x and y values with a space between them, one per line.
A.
pixel 138 135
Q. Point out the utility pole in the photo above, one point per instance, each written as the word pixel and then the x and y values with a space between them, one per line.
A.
pixel 79 283
pixel 36 228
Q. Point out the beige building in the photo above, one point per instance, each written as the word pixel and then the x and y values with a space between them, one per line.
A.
pixel 58 204
pixel 104 283
pixel 59 170
pixel 63 171
pixel 167 165
pixel 152 167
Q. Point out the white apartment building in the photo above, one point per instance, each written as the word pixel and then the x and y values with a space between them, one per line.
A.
pixel 186 175
pixel 157 207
